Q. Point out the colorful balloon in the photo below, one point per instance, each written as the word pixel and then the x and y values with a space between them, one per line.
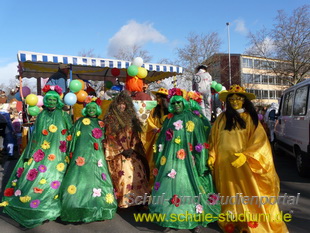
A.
pixel 32 99
pixel 18 97
pixel 218 87
pixel 132 70
pixel 115 72
pixel 213 83
pixel 40 101
pixel 75 86
pixel 70 99
pixel 33 110
pixel 26 91
pixel 83 83
pixel 138 61
pixel 81 95
pixel 142 72
pixel 108 84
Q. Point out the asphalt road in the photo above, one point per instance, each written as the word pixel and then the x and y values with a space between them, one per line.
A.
pixel 291 184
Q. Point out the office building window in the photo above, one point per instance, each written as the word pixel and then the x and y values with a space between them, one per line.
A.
pixel 264 79
pixel 247 78
pixel 257 78
pixel 272 94
pixel 272 80
pixel 265 94
pixel 257 64
pixel 258 94
pixel 247 63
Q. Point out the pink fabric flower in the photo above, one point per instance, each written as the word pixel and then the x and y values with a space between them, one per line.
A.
pixel 38 155
pixel 58 89
pixel 178 125
pixel 55 184
pixel 42 168
pixel 17 193
pixel 99 163
pixel 156 185
pixel 199 209
pixel 104 176
pixel 63 146
pixel 19 172
pixel 196 112
pixel 172 173
pixel 35 204
pixel 213 198
pixel 97 133
pixel 169 134
pixel 32 174
pixel 96 192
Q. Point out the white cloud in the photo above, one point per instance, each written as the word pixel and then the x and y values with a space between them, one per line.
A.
pixel 134 34
pixel 8 73
pixel 240 26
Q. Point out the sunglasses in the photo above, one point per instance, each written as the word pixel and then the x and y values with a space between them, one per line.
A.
pixel 176 102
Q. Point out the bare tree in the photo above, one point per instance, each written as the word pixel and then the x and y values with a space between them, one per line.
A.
pixel 289 42
pixel 87 53
pixel 129 53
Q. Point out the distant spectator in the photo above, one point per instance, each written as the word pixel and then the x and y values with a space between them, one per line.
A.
pixel 60 77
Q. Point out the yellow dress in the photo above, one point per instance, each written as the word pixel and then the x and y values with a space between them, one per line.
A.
pixel 257 177
pixel 148 138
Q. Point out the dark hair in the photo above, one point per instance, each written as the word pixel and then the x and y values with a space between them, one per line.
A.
pixel 233 119
pixel 157 109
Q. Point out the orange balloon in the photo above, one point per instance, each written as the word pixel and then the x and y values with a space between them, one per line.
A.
pixel 83 84
pixel 81 95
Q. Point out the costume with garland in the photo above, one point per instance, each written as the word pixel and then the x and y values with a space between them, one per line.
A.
pixel 87 191
pixel 183 184
pixel 32 192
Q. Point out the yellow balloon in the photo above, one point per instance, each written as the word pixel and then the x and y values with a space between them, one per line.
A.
pixel 32 99
pixel 142 72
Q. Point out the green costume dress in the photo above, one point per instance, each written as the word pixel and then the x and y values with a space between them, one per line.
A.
pixel 87 191
pixel 33 188
pixel 183 188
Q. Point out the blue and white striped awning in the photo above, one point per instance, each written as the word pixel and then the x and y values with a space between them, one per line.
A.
pixel 40 65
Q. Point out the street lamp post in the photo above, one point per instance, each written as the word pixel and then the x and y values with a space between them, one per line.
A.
pixel 229 64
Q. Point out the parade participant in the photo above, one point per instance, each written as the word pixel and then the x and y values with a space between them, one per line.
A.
pixel 31 194
pixel 60 77
pixel 242 162
pixel 270 119
pixel 181 169
pixel 153 126
pixel 124 150
pixel 87 191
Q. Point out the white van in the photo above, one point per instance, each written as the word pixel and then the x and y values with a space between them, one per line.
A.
pixel 292 129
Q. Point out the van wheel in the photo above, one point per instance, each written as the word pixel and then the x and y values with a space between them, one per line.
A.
pixel 275 147
pixel 301 163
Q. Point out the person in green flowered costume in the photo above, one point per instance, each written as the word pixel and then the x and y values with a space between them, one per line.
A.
pixel 183 188
pixel 31 195
pixel 87 191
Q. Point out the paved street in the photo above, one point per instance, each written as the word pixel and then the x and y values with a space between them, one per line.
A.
pixel 291 184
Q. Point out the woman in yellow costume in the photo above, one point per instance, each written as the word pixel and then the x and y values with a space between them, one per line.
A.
pixel 242 163
pixel 153 126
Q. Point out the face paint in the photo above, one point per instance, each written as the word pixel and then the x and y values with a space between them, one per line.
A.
pixel 91 110
pixel 52 102
pixel 178 106
pixel 236 101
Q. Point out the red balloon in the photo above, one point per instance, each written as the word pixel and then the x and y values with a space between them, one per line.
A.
pixel 115 72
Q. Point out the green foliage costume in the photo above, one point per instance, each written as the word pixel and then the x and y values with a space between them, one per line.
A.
pixel 182 178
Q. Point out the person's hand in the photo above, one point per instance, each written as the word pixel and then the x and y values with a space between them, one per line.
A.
pixel 127 153
pixel 239 161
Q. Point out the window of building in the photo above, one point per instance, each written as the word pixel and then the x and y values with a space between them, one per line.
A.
pixel 257 78
pixel 272 94
pixel 300 102
pixel 288 103
pixel 264 79
pixel 272 80
pixel 265 94
pixel 278 94
pixel 257 64
pixel 247 78
pixel 247 63
pixel 258 94
pixel 278 80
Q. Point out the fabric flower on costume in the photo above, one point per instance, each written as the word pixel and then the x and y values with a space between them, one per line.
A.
pixel 213 198
pixel 121 173
pixel 8 192
pixel 199 209
pixel 109 198
pixel 35 204
pixel 196 112
pixel 44 132
pixel 32 174
pixel 206 145
pixel 51 157
pixel 253 224
pixel 177 140
pixel 42 181
pixel 37 190
pixel 163 160
pixel 45 145
pixel 169 134
pixel 78 133
pixel 55 184
pixel 96 192
pixel 52 128
pixel 80 161
pixel 86 121
pixel 97 133
pixel 160 147
pixel 30 161
pixel 42 168
pixel 63 146
pixel 175 200
pixel 172 173
pixel 170 115
pixel 154 148
pixel 190 126
pixel 155 171
pixel 99 163
pixel 69 138
pixel 71 189
pixel 198 147
pixel 14 182
pixel 60 167
pixel 181 154
pixel 64 131
pixel 58 89
pixel 156 186
pixel 38 155
pixel 178 124
pixel 25 199
pixel 96 146
pixel 18 193
pixel 67 159
pixel 101 124
pixel 19 171
pixel 104 176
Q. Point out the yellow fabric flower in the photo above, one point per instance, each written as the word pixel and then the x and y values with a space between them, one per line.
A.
pixel 86 121
pixel 56 197
pixel 154 148
pixel 78 133
pixel 67 159
pixel 163 160
pixel 109 198
pixel 60 167
pixel 42 181
pixel 177 140
pixel 25 199
pixel 190 126
pixel 30 161
pixel 3 204
pixel 71 189
pixel 45 145
pixel 52 128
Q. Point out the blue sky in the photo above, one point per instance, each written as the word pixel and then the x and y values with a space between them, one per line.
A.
pixel 160 26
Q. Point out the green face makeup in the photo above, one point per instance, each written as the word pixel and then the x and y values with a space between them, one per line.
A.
pixel 91 110
pixel 178 106
pixel 52 102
